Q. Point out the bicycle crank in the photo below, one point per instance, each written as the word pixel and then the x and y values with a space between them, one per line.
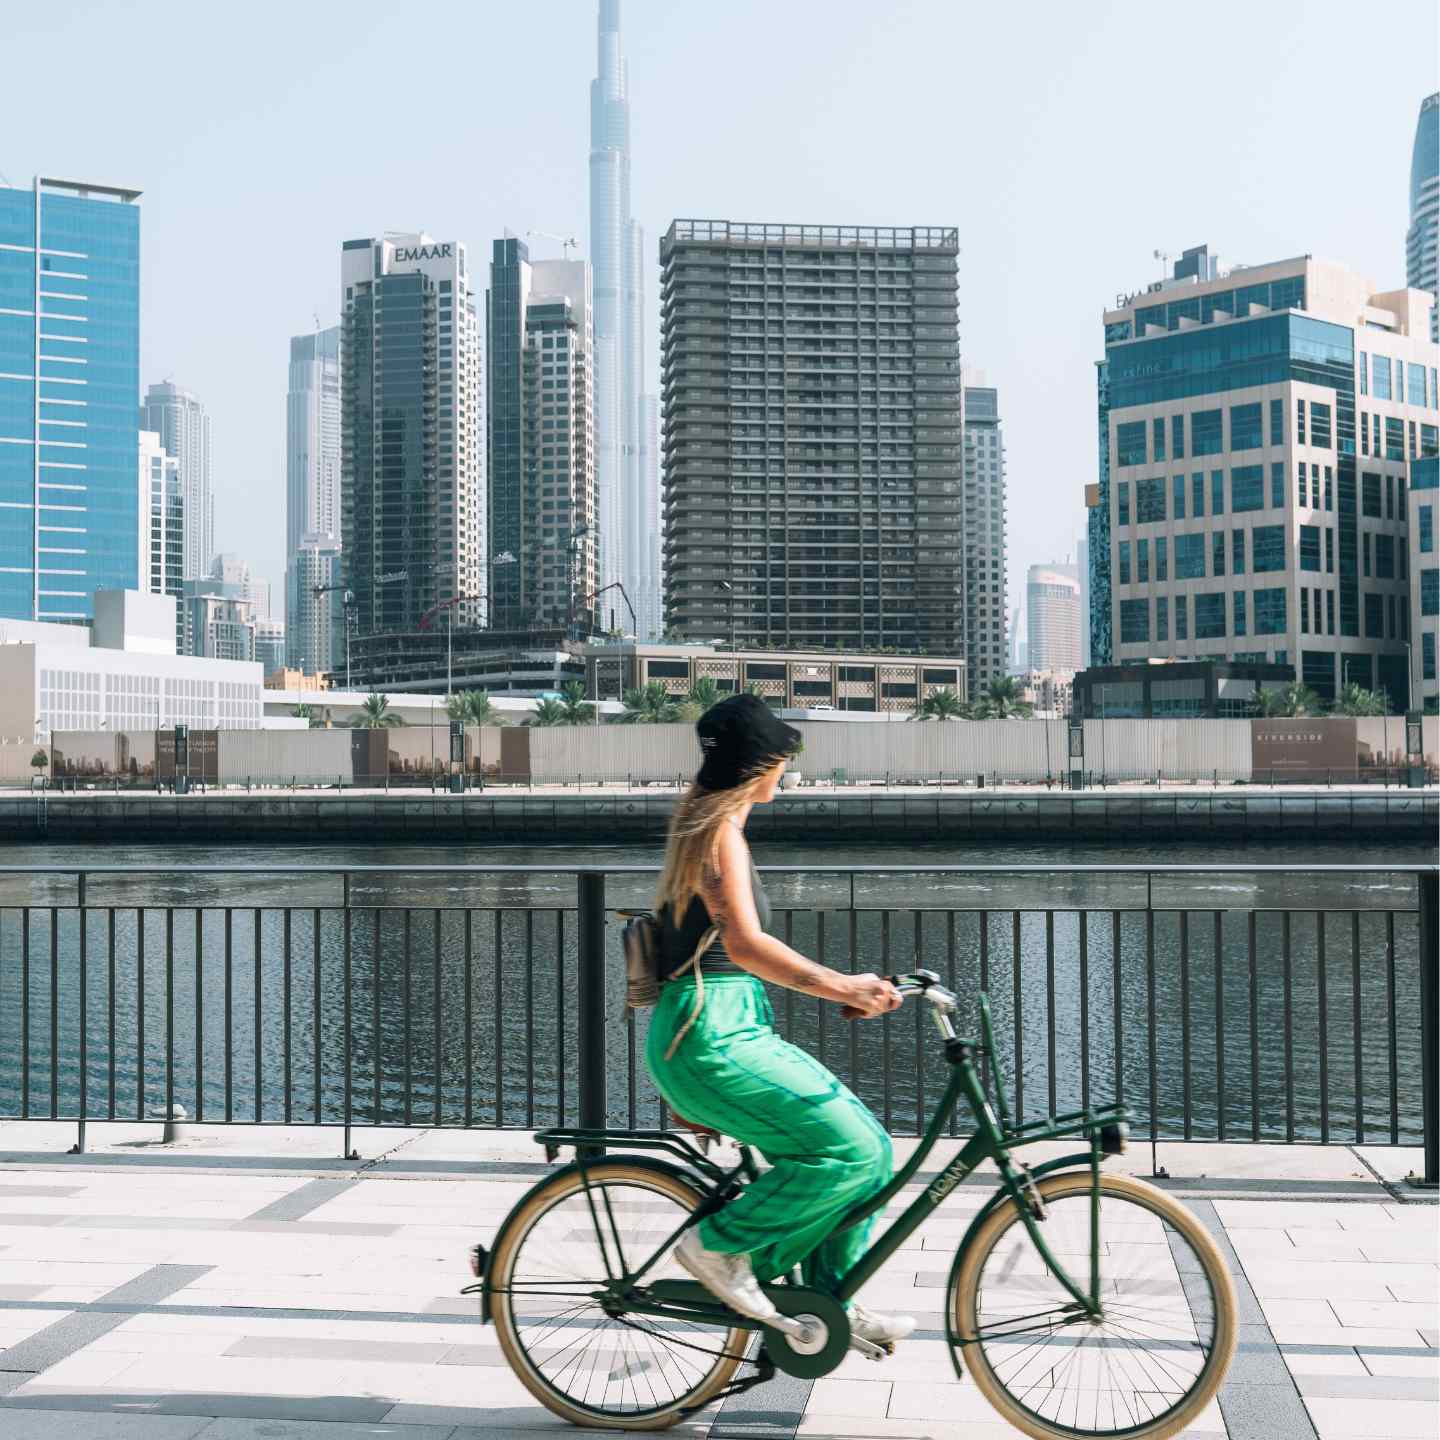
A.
pixel 816 1333
pixel 810 1340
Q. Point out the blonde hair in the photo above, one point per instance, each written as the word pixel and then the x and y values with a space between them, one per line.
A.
pixel 693 845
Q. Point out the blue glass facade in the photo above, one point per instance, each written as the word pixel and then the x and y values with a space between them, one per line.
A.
pixel 69 397
pixel 1268 347
pixel 1097 537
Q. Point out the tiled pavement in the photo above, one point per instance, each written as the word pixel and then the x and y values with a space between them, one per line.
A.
pixel 150 1295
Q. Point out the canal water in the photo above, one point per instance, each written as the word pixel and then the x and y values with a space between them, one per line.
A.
pixel 451 998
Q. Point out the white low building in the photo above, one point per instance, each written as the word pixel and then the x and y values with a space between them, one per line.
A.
pixel 122 673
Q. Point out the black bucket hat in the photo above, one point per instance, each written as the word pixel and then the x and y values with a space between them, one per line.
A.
pixel 739 736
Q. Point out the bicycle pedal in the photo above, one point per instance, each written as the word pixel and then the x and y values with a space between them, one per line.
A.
pixel 869 1349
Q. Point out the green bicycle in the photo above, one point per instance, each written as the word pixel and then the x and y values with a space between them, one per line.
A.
pixel 1081 1303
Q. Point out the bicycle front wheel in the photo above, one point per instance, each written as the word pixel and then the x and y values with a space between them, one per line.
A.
pixel 1144 1369
pixel 549 1275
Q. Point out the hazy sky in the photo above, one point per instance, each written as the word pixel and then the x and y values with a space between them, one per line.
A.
pixel 1068 142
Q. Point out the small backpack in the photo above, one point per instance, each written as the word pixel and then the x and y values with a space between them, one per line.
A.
pixel 641 942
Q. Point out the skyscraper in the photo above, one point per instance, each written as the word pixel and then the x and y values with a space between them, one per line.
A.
pixel 813 440
pixel 238 579
pixel 629 543
pixel 411 448
pixel 649 602
pixel 1422 239
pixel 1052 618
pixel 542 440
pixel 1254 440
pixel 984 531
pixel 312 438
pixel 69 375
pixel 161 556
pixel 179 418
pixel 314 607
pixel 312 477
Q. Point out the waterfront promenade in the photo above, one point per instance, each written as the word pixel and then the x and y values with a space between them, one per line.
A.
pixel 582 811
pixel 249 1285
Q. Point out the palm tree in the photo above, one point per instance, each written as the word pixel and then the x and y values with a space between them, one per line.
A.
pixel 1357 700
pixel 651 704
pixel 1293 701
pixel 307 712
pixel 474 707
pixel 704 693
pixel 550 711
pixel 1003 700
pixel 941 704
pixel 578 710
pixel 375 714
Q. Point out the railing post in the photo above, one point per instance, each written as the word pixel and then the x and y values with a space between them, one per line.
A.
pixel 1429 938
pixel 590 949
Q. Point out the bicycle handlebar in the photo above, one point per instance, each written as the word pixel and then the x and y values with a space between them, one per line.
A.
pixel 926 985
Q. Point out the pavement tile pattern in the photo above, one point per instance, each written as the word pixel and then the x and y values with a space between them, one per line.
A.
pixel 147 1301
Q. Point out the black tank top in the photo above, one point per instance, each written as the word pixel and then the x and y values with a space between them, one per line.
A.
pixel 677 943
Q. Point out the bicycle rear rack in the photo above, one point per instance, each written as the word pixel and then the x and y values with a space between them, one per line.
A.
pixel 670 1142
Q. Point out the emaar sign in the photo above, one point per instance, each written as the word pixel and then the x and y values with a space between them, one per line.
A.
pixel 405 253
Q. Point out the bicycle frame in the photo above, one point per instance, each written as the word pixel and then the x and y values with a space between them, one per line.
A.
pixel 994 1139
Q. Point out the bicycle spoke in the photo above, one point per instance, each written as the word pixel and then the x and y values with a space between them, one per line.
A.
pixel 1129 1367
pixel 571 1257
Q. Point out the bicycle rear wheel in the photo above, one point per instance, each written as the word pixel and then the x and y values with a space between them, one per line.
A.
pixel 589 1365
pixel 1148 1366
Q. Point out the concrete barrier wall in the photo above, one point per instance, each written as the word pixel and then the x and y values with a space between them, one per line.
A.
pixel 957 751
pixel 1385 737
pixel 306 756
pixel 101 754
pixel 1014 749
pixel 15 763
pixel 612 752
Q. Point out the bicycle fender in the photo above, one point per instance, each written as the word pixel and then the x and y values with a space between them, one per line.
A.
pixel 641 1162
pixel 952 1340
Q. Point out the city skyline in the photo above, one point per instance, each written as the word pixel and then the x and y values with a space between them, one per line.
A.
pixel 822 158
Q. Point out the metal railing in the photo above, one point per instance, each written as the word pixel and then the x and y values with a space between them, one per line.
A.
pixel 1248 1003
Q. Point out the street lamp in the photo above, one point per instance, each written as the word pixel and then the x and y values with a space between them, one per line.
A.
pixel 347 600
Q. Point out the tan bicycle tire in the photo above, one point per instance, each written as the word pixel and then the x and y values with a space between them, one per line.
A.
pixel 541 1199
pixel 963 1297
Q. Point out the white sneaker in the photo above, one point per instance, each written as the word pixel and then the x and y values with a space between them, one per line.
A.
pixel 727 1277
pixel 882 1330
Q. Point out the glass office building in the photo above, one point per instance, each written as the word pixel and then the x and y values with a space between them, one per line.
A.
pixel 1422 239
pixel 542 481
pixel 1256 428
pixel 69 391
pixel 984 529
pixel 1425 581
pixel 412 479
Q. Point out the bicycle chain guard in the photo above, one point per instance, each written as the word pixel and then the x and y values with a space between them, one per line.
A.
pixel 827 1350
pixel 818 1358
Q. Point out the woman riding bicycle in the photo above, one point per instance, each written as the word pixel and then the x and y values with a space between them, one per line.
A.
pixel 718 1061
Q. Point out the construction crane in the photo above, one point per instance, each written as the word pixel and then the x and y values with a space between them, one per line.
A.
pixel 448 606
pixel 565 242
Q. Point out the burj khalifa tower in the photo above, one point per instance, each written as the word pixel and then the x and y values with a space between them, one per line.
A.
pixel 626 444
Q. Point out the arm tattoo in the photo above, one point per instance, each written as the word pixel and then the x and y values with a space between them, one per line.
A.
pixel 714 897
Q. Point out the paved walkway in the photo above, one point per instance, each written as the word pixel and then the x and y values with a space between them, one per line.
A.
pixel 246 1286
